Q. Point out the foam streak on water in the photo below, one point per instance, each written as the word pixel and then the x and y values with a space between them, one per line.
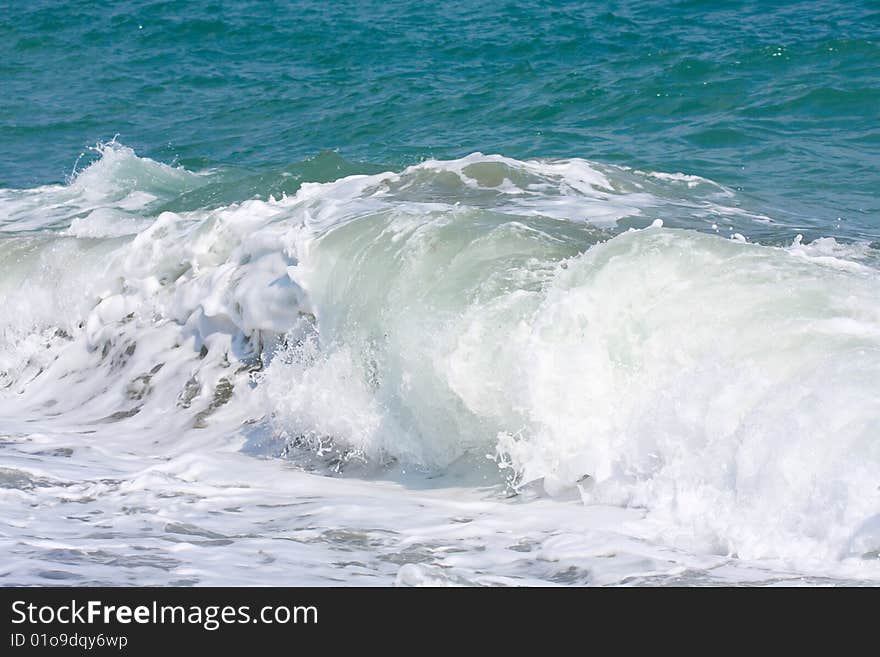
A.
pixel 473 371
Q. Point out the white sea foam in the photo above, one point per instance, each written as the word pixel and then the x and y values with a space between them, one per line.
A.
pixel 108 198
pixel 698 407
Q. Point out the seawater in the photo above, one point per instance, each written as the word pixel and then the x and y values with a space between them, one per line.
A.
pixel 576 293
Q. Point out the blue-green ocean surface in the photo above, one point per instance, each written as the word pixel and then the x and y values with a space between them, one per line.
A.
pixel 778 100
pixel 466 293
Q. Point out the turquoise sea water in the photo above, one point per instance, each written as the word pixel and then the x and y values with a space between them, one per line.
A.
pixel 779 100
pixel 439 293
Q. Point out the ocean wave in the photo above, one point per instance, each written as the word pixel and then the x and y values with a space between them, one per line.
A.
pixel 584 326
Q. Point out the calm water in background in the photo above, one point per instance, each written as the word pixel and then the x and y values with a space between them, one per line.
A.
pixel 780 100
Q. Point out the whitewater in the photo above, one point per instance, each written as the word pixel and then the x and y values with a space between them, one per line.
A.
pixel 482 371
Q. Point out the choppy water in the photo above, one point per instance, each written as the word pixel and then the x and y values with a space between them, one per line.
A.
pixel 293 326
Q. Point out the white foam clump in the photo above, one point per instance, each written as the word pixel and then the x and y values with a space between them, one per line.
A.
pixel 108 198
pixel 688 179
pixel 726 390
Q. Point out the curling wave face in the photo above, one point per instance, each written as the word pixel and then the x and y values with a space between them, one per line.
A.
pixel 627 338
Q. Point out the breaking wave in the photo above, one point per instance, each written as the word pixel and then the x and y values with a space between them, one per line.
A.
pixel 579 329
